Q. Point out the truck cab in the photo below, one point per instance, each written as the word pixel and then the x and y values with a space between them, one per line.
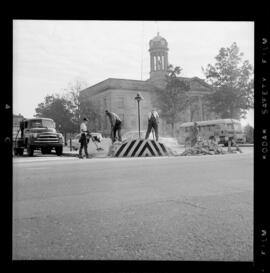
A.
pixel 38 134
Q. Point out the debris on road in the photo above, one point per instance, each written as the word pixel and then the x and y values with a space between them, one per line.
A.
pixel 204 147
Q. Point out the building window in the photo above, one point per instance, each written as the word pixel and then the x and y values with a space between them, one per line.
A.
pixel 105 104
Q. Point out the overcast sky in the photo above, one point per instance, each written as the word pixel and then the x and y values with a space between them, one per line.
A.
pixel 48 54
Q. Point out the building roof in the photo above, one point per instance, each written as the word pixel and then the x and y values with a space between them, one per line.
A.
pixel 158 42
pixel 209 122
pixel 113 83
pixel 196 84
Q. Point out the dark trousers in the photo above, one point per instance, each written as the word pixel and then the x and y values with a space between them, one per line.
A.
pixel 117 130
pixel 83 145
pixel 152 125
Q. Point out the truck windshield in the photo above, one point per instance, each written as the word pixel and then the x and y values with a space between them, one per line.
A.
pixel 42 123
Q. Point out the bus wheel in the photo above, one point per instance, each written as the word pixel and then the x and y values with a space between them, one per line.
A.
pixel 30 150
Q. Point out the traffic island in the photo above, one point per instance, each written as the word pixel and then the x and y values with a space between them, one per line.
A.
pixel 139 148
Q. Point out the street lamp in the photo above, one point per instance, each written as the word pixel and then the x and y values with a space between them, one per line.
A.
pixel 138 98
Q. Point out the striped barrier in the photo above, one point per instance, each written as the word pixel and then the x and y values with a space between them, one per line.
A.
pixel 140 148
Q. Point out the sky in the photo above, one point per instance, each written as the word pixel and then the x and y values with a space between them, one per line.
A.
pixel 48 55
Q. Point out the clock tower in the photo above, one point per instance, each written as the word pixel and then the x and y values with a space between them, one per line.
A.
pixel 158 48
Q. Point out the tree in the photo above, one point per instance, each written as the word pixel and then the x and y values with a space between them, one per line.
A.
pixel 174 98
pixel 56 108
pixel 232 81
pixel 73 98
pixel 90 110
pixel 80 106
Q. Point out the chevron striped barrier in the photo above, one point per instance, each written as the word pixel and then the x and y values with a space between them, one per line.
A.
pixel 140 148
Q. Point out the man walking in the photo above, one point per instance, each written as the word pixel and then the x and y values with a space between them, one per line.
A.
pixel 153 121
pixel 83 139
pixel 116 125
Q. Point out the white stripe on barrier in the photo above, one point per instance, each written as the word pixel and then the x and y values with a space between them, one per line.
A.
pixel 139 147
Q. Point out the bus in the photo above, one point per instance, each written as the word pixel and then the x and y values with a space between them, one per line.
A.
pixel 220 129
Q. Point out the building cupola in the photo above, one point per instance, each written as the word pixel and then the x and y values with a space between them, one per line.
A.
pixel 158 48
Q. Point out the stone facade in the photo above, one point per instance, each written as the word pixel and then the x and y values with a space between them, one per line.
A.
pixel 118 95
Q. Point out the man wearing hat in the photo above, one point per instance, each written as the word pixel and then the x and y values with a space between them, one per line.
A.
pixel 83 139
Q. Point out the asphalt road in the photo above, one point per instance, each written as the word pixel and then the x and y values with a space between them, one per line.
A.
pixel 165 208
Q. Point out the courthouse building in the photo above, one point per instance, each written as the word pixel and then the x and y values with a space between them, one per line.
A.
pixel 117 95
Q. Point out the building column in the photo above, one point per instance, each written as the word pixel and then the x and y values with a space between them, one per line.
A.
pixel 200 107
pixel 152 62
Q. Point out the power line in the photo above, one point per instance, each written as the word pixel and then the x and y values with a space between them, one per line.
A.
pixel 142 49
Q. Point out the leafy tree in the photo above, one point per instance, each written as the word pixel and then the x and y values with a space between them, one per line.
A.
pixel 232 80
pixel 56 107
pixel 249 132
pixel 174 98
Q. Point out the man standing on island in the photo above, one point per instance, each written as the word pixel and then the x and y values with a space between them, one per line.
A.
pixel 116 125
pixel 153 121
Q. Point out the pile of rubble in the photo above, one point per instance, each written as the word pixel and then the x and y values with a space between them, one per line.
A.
pixel 203 147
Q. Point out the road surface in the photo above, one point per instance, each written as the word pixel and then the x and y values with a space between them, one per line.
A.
pixel 164 208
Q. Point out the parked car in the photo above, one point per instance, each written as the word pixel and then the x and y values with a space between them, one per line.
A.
pixel 75 144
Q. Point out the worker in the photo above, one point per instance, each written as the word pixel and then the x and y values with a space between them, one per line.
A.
pixel 83 138
pixel 153 121
pixel 116 125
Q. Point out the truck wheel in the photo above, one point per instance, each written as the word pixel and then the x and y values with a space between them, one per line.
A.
pixel 20 151
pixel 30 150
pixel 59 150
pixel 16 152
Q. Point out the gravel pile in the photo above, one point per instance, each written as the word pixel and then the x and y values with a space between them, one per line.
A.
pixel 204 148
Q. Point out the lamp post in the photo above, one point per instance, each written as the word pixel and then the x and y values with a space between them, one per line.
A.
pixel 138 98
